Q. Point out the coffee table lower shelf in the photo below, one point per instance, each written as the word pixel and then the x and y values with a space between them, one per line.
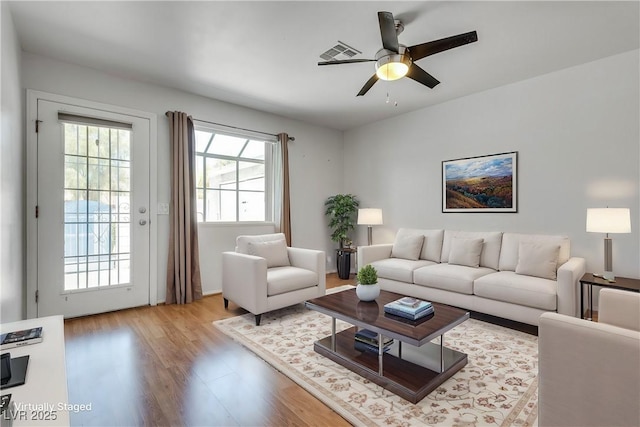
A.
pixel 405 378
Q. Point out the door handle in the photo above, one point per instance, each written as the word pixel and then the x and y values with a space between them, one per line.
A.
pixel 142 222
pixel 142 209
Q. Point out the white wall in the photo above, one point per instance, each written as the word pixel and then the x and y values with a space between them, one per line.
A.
pixel 315 158
pixel 577 135
pixel 12 167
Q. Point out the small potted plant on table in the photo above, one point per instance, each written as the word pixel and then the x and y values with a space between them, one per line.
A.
pixel 368 288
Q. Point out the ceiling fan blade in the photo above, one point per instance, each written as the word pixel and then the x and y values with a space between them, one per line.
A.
pixel 368 85
pixel 421 76
pixel 419 51
pixel 388 31
pixel 345 61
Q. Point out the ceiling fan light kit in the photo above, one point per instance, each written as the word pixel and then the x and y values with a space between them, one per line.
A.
pixel 395 61
pixel 391 65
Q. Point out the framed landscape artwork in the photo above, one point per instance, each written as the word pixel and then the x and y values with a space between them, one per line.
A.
pixel 480 184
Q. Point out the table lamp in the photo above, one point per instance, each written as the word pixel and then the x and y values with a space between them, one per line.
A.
pixel 608 220
pixel 369 217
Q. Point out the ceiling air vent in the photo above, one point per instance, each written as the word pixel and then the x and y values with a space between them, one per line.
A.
pixel 340 51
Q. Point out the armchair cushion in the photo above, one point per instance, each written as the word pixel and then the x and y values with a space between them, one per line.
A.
pixel 242 242
pixel 275 252
pixel 286 279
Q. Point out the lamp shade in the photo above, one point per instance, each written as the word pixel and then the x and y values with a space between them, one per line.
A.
pixel 369 216
pixel 609 220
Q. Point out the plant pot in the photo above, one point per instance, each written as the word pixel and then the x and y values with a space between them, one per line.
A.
pixel 343 259
pixel 368 292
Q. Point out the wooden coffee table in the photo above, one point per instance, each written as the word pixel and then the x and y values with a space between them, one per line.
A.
pixel 411 371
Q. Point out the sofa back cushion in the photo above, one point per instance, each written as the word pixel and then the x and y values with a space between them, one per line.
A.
pixel 407 246
pixel 432 245
pixel 509 254
pixel 538 259
pixel 466 252
pixel 490 255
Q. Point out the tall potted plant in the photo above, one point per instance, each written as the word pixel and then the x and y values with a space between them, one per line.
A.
pixel 341 210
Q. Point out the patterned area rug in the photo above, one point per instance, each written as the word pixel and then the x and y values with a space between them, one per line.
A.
pixel 498 386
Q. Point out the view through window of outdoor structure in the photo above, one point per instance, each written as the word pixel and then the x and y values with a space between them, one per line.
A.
pixel 97 198
pixel 231 177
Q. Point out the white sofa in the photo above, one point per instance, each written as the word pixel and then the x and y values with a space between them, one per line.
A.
pixel 264 274
pixel 589 372
pixel 509 275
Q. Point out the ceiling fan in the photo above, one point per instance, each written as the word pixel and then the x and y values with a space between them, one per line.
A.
pixel 395 60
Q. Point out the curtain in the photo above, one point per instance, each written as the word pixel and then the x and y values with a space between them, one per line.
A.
pixel 183 266
pixel 285 208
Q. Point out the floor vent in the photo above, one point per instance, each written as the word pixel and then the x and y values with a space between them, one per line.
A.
pixel 340 51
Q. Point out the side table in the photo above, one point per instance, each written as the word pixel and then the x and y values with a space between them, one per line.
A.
pixel 623 283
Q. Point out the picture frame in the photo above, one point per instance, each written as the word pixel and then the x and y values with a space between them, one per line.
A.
pixel 486 183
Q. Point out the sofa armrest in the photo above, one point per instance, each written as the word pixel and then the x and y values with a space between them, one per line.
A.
pixel 244 281
pixel 369 254
pixel 569 275
pixel 310 259
pixel 588 373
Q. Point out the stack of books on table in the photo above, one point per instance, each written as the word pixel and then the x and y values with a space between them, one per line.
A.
pixel 409 308
pixel 367 340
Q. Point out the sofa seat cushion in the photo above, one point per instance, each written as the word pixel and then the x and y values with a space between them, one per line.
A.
pixel 286 279
pixel 515 288
pixel 399 269
pixel 455 278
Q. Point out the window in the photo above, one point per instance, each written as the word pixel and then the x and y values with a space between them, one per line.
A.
pixel 233 177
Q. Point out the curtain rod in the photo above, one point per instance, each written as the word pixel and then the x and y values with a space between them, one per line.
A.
pixel 291 138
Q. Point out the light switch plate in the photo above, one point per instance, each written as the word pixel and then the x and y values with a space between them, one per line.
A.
pixel 163 208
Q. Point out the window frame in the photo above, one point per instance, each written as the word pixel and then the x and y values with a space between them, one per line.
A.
pixel 268 162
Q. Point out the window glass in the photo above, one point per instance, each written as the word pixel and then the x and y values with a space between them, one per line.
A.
pixel 202 140
pixel 233 173
pixel 254 150
pixel 226 145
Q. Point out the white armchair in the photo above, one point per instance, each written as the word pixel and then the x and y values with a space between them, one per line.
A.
pixel 589 372
pixel 263 274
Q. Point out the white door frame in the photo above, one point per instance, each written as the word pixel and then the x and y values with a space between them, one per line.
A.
pixel 32 188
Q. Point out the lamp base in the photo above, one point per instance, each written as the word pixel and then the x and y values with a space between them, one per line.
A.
pixel 608 259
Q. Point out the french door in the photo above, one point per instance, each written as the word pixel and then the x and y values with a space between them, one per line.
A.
pixel 92 212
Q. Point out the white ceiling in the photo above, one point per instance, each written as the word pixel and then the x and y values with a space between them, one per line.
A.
pixel 264 54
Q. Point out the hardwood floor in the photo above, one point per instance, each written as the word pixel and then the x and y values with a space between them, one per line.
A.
pixel 168 366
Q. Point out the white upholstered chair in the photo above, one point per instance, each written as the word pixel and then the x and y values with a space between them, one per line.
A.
pixel 264 274
pixel 589 372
